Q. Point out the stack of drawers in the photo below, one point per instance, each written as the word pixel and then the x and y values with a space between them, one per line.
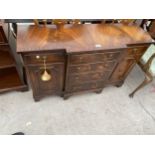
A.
pixel 88 71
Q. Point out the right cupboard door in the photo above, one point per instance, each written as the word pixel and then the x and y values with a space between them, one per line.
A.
pixel 131 56
pixel 122 69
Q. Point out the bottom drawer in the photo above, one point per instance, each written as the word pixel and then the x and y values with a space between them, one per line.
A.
pixel 86 86
pixel 88 77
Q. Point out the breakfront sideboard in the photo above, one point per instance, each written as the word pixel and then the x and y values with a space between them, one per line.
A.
pixel 79 58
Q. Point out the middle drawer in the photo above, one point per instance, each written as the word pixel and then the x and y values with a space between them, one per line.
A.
pixel 87 77
pixel 94 67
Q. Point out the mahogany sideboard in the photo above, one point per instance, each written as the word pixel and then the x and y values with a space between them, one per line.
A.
pixel 79 58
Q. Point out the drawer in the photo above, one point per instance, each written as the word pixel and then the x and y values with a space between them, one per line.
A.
pixel 86 86
pixel 91 58
pixel 39 58
pixel 137 52
pixel 99 67
pixel 87 77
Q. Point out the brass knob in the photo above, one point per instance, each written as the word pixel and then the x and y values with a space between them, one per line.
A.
pixel 37 57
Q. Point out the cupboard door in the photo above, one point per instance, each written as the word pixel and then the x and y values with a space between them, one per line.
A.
pixel 122 69
pixel 53 86
pixel 130 58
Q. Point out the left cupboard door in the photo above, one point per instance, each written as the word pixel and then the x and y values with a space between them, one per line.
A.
pixel 53 86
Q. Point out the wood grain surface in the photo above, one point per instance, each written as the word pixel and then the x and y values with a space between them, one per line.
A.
pixel 86 37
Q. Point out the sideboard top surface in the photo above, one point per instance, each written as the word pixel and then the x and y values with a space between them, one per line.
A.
pixel 77 38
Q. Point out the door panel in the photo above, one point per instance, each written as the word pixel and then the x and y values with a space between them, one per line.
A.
pixel 122 70
pixel 53 86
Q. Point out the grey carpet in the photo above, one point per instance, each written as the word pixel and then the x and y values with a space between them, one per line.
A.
pixel 111 112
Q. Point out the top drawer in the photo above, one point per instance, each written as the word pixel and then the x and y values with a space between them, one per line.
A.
pixel 33 59
pixel 91 58
pixel 136 51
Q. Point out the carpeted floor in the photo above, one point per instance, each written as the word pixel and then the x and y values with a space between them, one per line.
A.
pixel 111 112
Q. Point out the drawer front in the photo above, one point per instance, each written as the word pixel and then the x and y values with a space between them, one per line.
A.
pixel 91 58
pixel 136 52
pixel 87 77
pixel 53 86
pixel 85 87
pixel 97 67
pixel 39 58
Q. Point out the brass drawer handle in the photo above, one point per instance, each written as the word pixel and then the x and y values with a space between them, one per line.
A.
pixel 46 76
pixel 135 49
